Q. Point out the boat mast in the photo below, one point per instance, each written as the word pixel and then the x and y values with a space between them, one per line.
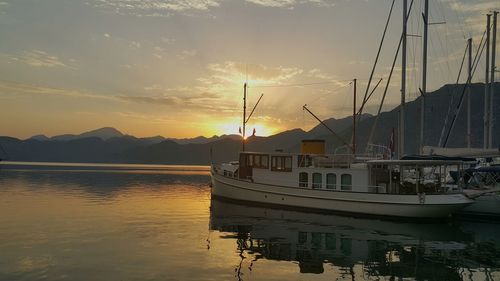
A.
pixel 469 78
pixel 424 75
pixel 492 80
pixel 486 84
pixel 354 120
pixel 244 115
pixel 403 86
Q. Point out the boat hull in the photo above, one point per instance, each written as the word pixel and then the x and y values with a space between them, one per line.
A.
pixel 371 204
pixel 487 205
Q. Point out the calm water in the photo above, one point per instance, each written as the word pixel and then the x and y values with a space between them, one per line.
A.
pixel 107 222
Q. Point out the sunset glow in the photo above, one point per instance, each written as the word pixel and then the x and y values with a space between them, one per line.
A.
pixel 177 68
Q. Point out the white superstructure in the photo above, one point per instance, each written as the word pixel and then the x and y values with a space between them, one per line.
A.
pixel 341 183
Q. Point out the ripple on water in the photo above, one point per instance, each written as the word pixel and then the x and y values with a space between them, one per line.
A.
pixel 149 225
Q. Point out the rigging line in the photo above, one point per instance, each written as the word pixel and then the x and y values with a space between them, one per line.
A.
pixel 378 54
pixel 367 99
pixel 452 98
pixel 295 85
pixel 330 92
pixel 480 54
pixel 370 138
pixel 326 126
pixel 478 48
pixel 457 109
pixel 460 17
pixel 301 84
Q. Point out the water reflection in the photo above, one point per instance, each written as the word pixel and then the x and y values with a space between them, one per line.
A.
pixel 358 247
pixel 104 224
pixel 103 180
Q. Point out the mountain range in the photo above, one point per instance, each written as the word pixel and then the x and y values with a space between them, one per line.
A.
pixel 108 145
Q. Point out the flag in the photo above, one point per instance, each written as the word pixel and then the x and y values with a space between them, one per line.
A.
pixel 239 130
pixel 392 144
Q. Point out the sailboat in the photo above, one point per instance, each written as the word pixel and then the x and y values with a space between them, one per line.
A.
pixel 483 179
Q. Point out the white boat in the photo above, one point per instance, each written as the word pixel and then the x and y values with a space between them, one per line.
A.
pixel 340 183
pixel 346 182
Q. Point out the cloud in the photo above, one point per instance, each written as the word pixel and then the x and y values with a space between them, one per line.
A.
pixel 14 88
pixel 156 7
pixel 228 70
pixel 201 102
pixel 39 58
pixel 474 13
pixel 187 54
pixel 135 45
pixel 291 3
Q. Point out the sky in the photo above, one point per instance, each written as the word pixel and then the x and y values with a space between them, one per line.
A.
pixel 176 68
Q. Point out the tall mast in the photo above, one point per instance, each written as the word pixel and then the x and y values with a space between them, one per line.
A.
pixel 354 120
pixel 403 86
pixel 492 80
pixel 486 84
pixel 424 75
pixel 469 77
pixel 244 114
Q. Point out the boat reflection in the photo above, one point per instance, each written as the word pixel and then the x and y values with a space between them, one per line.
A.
pixel 376 248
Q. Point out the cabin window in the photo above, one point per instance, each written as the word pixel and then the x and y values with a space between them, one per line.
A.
pixel 331 181
pixel 303 179
pixel 346 182
pixel 259 161
pixel 316 180
pixel 288 163
pixel 304 161
pixel 281 163
pixel 264 161
pixel 256 159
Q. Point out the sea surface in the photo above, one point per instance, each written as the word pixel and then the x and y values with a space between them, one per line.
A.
pixel 155 222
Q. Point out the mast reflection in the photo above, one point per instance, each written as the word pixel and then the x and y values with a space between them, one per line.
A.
pixel 380 248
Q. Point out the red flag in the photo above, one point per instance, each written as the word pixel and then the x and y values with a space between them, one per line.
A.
pixel 392 143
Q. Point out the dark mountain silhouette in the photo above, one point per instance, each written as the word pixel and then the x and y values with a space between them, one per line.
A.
pixel 337 125
pixel 102 133
pixel 110 145
pixel 202 139
pixel 40 137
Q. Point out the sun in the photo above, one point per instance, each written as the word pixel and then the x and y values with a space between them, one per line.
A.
pixel 234 127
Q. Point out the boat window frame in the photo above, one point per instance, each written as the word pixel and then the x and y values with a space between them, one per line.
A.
pixel 314 184
pixel 303 183
pixel 331 185
pixel 343 186
pixel 304 160
pixel 250 160
pixel 280 163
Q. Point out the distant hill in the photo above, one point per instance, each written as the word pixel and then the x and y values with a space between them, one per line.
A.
pixel 111 146
pixel 102 133
pixel 337 125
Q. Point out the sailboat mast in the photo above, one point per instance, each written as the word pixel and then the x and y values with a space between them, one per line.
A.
pixel 354 120
pixel 403 85
pixel 492 80
pixel 486 85
pixel 424 75
pixel 244 114
pixel 469 78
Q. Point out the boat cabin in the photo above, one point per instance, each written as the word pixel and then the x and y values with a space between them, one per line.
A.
pixel 313 169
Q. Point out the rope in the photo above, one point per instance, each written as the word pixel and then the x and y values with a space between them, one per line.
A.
pixel 457 109
pixel 376 58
